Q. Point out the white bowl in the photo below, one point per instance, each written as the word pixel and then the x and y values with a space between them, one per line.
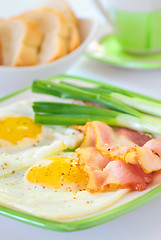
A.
pixel 15 78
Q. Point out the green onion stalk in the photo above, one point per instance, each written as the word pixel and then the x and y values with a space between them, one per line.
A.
pixel 125 108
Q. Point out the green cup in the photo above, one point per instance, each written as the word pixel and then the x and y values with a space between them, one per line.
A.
pixel 136 24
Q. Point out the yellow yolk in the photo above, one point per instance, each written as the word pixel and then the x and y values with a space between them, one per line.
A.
pixel 57 172
pixel 14 129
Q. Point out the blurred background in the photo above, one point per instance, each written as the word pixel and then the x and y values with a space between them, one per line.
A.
pixel 85 8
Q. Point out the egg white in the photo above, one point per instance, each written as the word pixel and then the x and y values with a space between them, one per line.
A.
pixel 10 163
pixel 52 204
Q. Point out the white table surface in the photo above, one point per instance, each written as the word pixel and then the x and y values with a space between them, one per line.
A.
pixel 144 222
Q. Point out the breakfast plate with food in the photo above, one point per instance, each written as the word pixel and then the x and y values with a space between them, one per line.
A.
pixel 76 153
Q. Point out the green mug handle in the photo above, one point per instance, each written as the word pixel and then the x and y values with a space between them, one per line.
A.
pixel 103 11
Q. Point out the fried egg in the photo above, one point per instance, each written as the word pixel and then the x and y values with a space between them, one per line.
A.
pixel 57 173
pixel 54 189
pixel 37 176
pixel 18 130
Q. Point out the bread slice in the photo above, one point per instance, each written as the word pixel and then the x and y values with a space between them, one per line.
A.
pixel 74 39
pixel 53 26
pixel 1 59
pixel 20 40
pixel 71 21
pixel 62 6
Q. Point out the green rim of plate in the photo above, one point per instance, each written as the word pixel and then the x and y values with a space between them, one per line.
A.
pixel 113 53
pixel 86 222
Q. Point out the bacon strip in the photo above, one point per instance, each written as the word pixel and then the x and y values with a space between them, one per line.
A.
pixel 80 128
pixel 108 141
pixel 92 157
pixel 103 134
pixel 119 173
pixel 89 139
pixel 100 154
pixel 115 153
pixel 137 138
pixel 92 163
pixel 148 156
pixel 103 173
pixel 155 145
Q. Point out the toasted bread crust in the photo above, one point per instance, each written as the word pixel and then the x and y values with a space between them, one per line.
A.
pixel 75 39
pixel 26 57
pixel 61 36
pixel 70 11
pixel 28 52
pixel 1 57
pixel 65 10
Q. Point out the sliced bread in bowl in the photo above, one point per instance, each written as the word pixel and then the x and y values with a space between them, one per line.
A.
pixel 20 40
pixel 55 35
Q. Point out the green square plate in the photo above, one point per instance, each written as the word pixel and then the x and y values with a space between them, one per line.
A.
pixel 129 202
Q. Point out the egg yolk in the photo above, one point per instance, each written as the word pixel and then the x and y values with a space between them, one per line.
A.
pixel 14 129
pixel 56 173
